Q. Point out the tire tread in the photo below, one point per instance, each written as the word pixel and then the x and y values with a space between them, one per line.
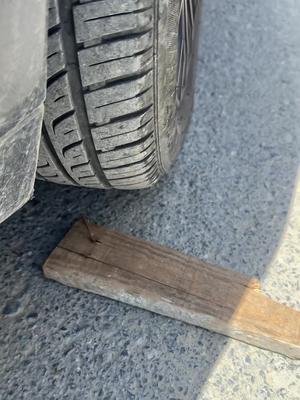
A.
pixel 99 129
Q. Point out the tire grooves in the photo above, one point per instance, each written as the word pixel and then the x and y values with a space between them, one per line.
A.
pixel 68 42
pixel 59 98
pixel 128 147
pixel 114 82
pixel 61 117
pixel 132 77
pixel 80 165
pixel 122 80
pixel 132 164
pixel 138 53
pixel 133 145
pixel 53 78
pixel 140 10
pixel 131 115
pixel 132 32
pixel 52 54
pixel 51 150
pixel 134 130
pixel 122 101
pixel 106 40
pixel 151 167
pixel 53 29
pixel 70 146
pixel 101 85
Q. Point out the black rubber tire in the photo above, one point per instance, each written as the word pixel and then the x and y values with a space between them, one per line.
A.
pixel 111 118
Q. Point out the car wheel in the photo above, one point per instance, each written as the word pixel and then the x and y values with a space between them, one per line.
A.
pixel 119 90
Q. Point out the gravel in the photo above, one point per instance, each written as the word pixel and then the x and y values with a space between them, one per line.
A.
pixel 233 198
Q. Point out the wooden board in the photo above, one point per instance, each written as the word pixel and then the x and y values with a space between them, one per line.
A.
pixel 146 275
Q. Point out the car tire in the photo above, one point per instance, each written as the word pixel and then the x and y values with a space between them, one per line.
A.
pixel 119 90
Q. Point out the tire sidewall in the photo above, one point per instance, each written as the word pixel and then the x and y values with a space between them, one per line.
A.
pixel 171 122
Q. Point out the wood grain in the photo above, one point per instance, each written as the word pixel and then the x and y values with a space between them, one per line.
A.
pixel 143 274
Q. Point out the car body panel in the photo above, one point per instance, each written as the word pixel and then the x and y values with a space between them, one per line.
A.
pixel 22 93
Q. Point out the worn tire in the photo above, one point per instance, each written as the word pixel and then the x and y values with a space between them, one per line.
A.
pixel 111 116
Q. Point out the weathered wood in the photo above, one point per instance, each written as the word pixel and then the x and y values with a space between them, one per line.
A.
pixel 167 282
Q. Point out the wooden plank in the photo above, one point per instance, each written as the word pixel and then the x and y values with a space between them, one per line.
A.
pixel 143 274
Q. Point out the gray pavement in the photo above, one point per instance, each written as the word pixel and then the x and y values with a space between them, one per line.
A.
pixel 233 198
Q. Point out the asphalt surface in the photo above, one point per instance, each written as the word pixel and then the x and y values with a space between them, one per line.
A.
pixel 232 198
